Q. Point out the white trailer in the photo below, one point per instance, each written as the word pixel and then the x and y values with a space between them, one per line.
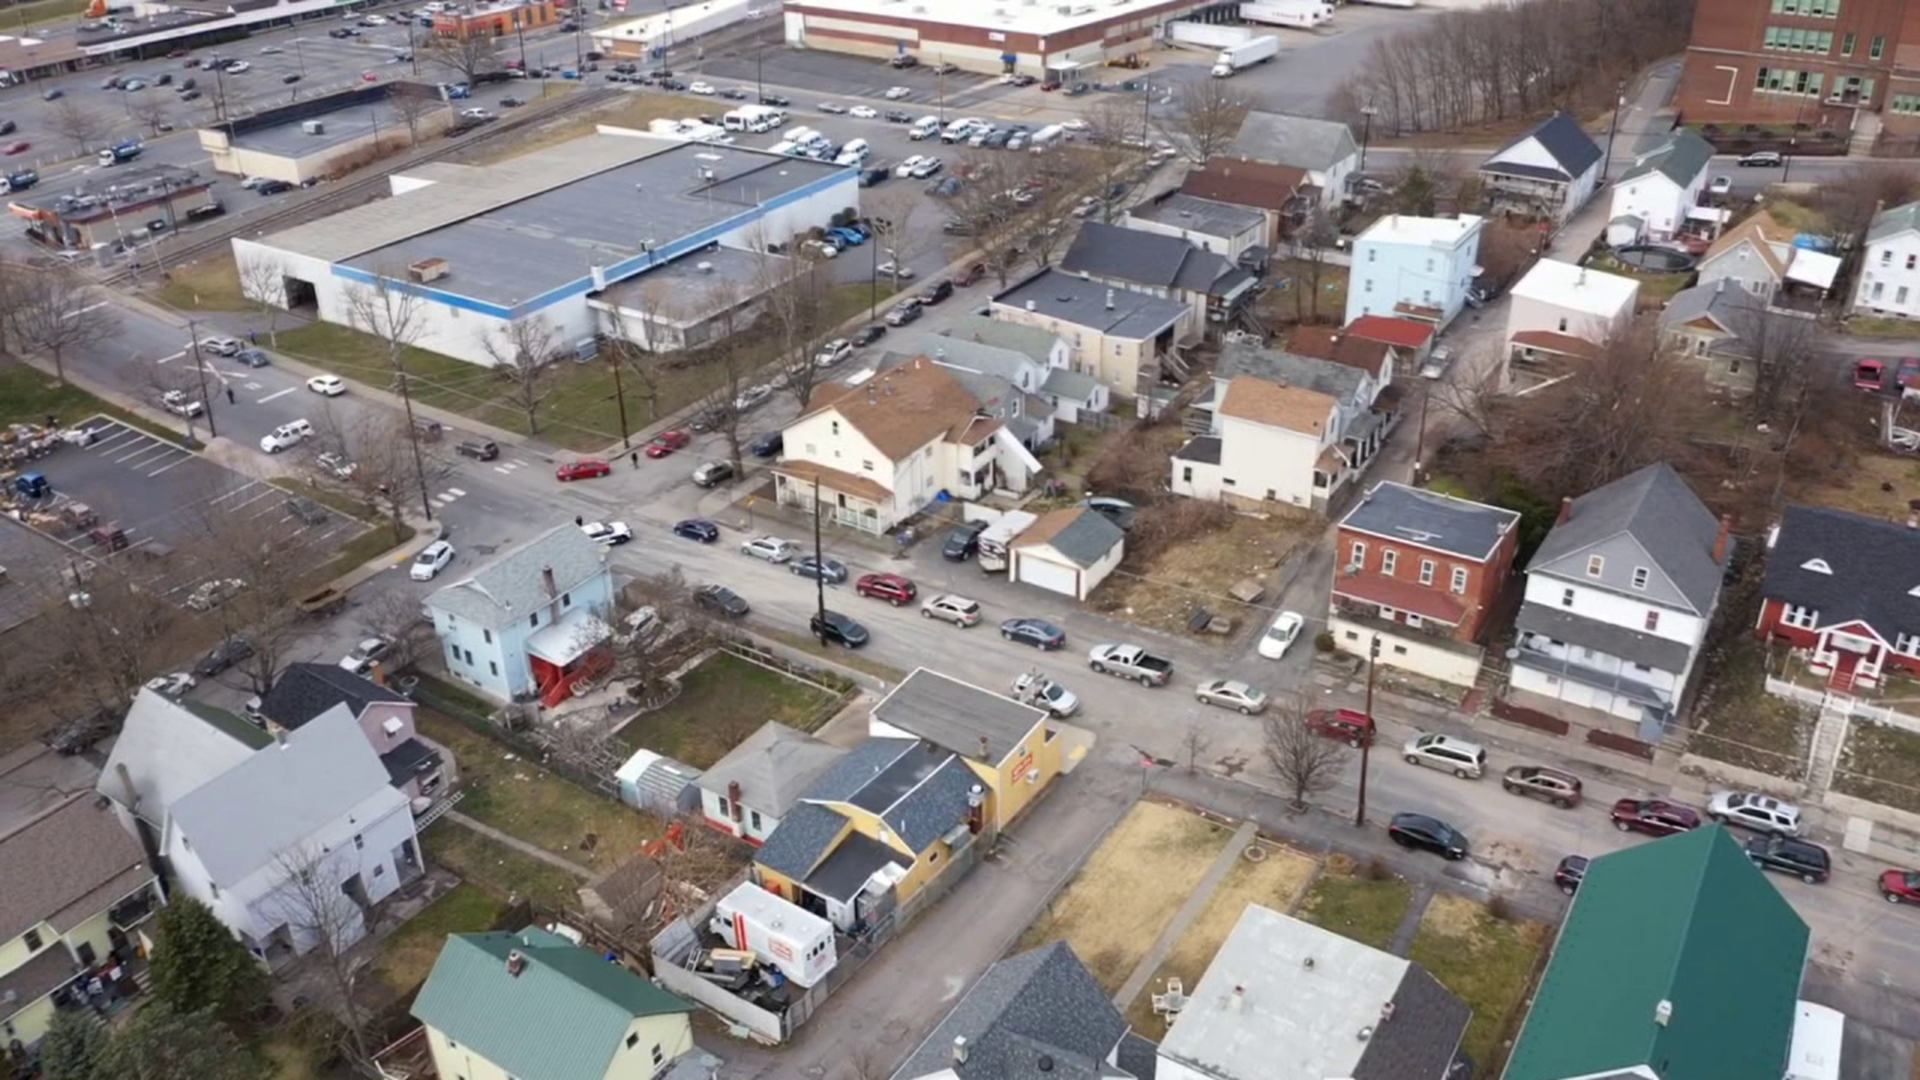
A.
pixel 999 536
pixel 1237 58
pixel 1299 14
pixel 792 939
pixel 1207 35
pixel 1814 1053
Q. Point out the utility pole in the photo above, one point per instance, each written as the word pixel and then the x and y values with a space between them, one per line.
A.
pixel 413 437
pixel 619 397
pixel 819 579
pixel 1420 443
pixel 1620 103
pixel 1367 113
pixel 759 72
pixel 1373 731
pixel 194 344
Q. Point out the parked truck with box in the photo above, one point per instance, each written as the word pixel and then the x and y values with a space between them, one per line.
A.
pixel 999 536
pixel 120 153
pixel 1238 58
pixel 793 940
pixel 1207 35
pixel 1299 14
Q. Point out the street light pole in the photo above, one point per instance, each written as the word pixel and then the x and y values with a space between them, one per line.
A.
pixel 819 579
pixel 620 398
pixel 194 344
pixel 1367 113
pixel 1620 102
pixel 1366 743
pixel 759 72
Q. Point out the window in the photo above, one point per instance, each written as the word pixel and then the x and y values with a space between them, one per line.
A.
pixel 1460 579
pixel 32 938
pixel 835 427
pixel 1886 257
pixel 1426 571
pixel 1388 560
pixel 1596 565
pixel 753 817
pixel 1563 324
pixel 1907 644
pixel 633 1040
pixel 1640 575
pixel 359 842
pixel 1801 618
pixel 1900 295
pixel 1653 621
pixel 486 636
pixel 469 653
pixel 867 465
pixel 533 619
pixel 659 1056
pixel 1878 47
pixel 1846 44
pixel 1368 285
pixel 1566 598
pixel 1413 620
pixel 566 599
pixel 1878 288
pixel 1358 557
pixel 1399 650
pixel 493 668
pixel 724 811
pixel 1373 255
pixel 1186 474
pixel 1910 261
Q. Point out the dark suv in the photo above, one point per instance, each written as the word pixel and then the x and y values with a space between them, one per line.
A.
pixel 831 626
pixel 963 543
pixel 479 449
pixel 937 292
pixel 1790 855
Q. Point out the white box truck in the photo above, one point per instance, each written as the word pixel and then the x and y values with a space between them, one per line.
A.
pixel 999 536
pixel 1390 3
pixel 1299 14
pixel 1207 35
pixel 795 941
pixel 1236 58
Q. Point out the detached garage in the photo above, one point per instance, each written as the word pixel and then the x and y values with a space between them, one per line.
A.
pixel 1068 551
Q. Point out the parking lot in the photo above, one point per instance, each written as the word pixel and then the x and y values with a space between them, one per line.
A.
pixel 834 76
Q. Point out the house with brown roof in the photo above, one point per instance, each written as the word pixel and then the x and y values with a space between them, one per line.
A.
pixel 1279 192
pixel 1760 254
pixel 75 887
pixel 881 451
pixel 1069 551
pixel 1270 442
pixel 1335 345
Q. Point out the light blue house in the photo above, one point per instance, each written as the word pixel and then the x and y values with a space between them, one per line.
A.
pixel 530 623
pixel 1415 268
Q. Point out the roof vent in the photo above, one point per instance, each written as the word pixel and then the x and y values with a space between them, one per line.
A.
pixel 1109 299
pixel 1045 1064
pixel 704 267
pixel 1663 1012
pixel 426 270
pixel 1307 963
pixel 959 1049
pixel 1031 305
pixel 1365 1033
pixel 313 127
pixel 516 963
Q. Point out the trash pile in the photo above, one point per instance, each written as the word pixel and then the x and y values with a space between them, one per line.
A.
pixel 21 443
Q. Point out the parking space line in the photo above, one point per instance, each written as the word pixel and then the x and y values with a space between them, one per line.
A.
pixel 455 492
pixel 167 466
pixel 248 486
pixel 275 394
pixel 77 312
pixel 101 444
pixel 171 359
pixel 263 495
pixel 146 453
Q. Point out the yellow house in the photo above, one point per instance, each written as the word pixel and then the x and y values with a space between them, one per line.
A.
pixel 74 888
pixel 947 767
pixel 534 1006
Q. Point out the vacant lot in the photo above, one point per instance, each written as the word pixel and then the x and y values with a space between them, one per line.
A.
pixel 1881 764
pixel 1867 326
pixel 721 702
pixel 407 956
pixel 1276 883
pixel 520 798
pixel 503 873
pixel 212 284
pixel 1293 298
pixel 1164 593
pixel 1485 960
pixel 1123 898
pixel 1365 903
pixel 1738 722
pixel 1874 483
pixel 631 111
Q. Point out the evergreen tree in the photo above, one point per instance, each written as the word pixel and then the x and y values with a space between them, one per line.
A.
pixel 73 1047
pixel 198 964
pixel 162 1044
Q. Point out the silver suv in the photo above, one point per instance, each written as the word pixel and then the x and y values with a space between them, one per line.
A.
pixel 1761 813
pixel 771 548
pixel 1462 758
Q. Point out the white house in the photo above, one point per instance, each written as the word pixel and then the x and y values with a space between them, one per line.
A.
pixel 881 451
pixel 1560 309
pixel 1414 267
pixel 1121 337
pixel 530 622
pixel 747 792
pixel 1069 392
pixel 1550 172
pixel 1269 444
pixel 1619 598
pixel 1323 149
pixel 1890 273
pixel 1662 187
pixel 1010 385
pixel 316 806
pixel 1068 551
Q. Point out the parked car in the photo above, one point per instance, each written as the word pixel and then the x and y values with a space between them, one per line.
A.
pixel 173 686
pixel 1557 786
pixel 478 449
pixel 1038 633
pixel 957 610
pixel 667 442
pixel 583 469
pixel 327 385
pixel 211 594
pixel 1803 859
pixel 367 653
pixel 1763 159
pixel 1464 759
pixel 306 510
pixel 713 473
pixel 752 398
pixel 1427 834
pixel 833 108
pixel 892 588
pixel 1037 689
pixel 721 601
pixel 771 548
pixel 1900 886
pixel 1350 726
pixel 287 435
pixel 1762 813
pixel 830 571
pixel 432 559
pixel 904 314
pixel 223 656
pixel 962 542
pixel 1720 185
pixel 1655 817
pixel 1280 636
pixel 253 358
pixel 869 334
pixel 1570 873
pixel 768 445
pixel 698 529
pixel 832 353
pixel 1232 694
pixel 831 627
pixel 611 533
pixel 937 292
pixel 892 269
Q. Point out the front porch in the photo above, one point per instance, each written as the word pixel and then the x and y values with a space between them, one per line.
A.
pixel 852 502
pixel 1529 197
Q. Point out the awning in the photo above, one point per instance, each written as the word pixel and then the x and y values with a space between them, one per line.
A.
pixel 563 642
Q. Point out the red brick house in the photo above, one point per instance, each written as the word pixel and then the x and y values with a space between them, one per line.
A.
pixel 1423 572
pixel 1845 588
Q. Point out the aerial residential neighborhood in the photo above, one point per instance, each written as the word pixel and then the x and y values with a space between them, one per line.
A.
pixel 1293 540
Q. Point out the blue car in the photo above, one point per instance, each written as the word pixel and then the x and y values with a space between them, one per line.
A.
pixel 706 532
pixel 1038 633
pixel 847 237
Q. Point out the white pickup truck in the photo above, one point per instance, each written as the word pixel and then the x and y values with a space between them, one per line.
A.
pixel 1130 662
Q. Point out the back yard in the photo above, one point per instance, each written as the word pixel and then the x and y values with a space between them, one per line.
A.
pixel 1488 961
pixel 1365 902
pixel 721 702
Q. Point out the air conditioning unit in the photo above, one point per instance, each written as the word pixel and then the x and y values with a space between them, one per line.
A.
pixel 313 127
pixel 428 270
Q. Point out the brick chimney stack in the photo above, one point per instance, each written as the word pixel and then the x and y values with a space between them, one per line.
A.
pixel 1566 510
pixel 1720 542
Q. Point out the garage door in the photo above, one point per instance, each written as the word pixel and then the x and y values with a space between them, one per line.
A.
pixel 1049 575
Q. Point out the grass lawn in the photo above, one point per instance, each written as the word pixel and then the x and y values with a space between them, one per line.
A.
pixel 34 12
pixel 1875 483
pixel 211 284
pixel 1881 764
pixel 1655 289
pixel 633 111
pixel 1868 327
pixel 29 396
pixel 721 702
pixel 408 955
pixel 1487 961
pixel 1275 883
pixel 291 1060
pixel 1348 902
pixel 497 869
pixel 1739 723
pixel 1119 903
pixel 1286 304
pixel 520 798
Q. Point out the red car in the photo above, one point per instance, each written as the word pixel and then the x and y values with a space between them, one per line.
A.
pixel 666 443
pixel 1349 726
pixel 892 588
pixel 1655 817
pixel 1868 374
pixel 1900 886
pixel 18 147
pixel 584 469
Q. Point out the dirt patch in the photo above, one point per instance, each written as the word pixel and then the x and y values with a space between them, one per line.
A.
pixel 1737 720
pixel 1876 484
pixel 1455 916
pixel 1894 329
pixel 1488 962
pixel 1880 764
pixel 1164 593
pixel 1275 882
pixel 1294 299
pixel 1119 903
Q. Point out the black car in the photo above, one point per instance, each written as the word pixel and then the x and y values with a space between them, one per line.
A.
pixel 734 93
pixel 80 733
pixel 273 187
pixel 937 292
pixel 1570 873
pixel 1428 834
pixel 223 656
pixel 776 100
pixel 1790 855
pixel 768 445
pixel 699 529
pixel 720 600
pixel 831 571
pixel 899 116
pixel 874 177
pixel 672 84
pixel 868 334
pixel 831 626
pixel 963 542
pixel 1038 633
pixel 290 78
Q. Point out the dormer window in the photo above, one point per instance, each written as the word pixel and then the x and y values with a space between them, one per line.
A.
pixel 1596 565
pixel 1820 566
pixel 1640 575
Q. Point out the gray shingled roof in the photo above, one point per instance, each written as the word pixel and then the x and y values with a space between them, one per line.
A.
pixel 1428 1025
pixel 1031 340
pixel 1430 519
pixel 934 806
pixel 1111 309
pixel 1560 136
pixel 1662 654
pixel 1209 217
pixel 957 716
pixel 1338 381
pixel 1072 385
pixel 513 585
pixel 1661 514
pixel 1087 539
pixel 804 834
pixel 1875 569
pixel 774 766
pixel 1114 253
pixel 917 788
pixel 1036 1016
pixel 304 691
pixel 1680 156
pixel 1731 308
pixel 998 361
pixel 857 768
pixel 1894 221
pixel 167 752
pixel 1299 141
pixel 853 863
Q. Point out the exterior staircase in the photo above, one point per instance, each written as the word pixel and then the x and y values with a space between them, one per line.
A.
pixel 1844 674
pixel 1866 133
pixel 1829 735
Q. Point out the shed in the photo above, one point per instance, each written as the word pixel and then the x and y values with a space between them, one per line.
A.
pixel 658 784
pixel 1069 551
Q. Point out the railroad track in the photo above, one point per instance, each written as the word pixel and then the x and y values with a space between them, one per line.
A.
pixel 336 197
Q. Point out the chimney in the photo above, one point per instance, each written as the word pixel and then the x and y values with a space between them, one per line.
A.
pixel 733 797
pixel 983 748
pixel 1386 1012
pixel 1566 510
pixel 1720 542
pixel 553 594
pixel 1109 299
pixel 1237 999
pixel 1663 1012
pixel 126 786
pixel 516 963
pixel 279 735
pixel 959 1049
pixel 1913 521
pixel 378 673
pixel 1720 285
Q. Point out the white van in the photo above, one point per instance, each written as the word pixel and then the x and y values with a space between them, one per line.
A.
pixel 785 149
pixel 855 152
pixel 924 128
pixel 799 135
pixel 1048 136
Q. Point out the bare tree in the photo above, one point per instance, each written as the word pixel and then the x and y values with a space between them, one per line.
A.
pixel 1307 764
pixel 54 311
pixel 101 632
pixel 79 125
pixel 521 351
pixel 397 316
pixel 727 367
pixel 1210 112
pixel 988 205
pixel 1115 143
pixel 263 280
pixel 627 360
pixel 892 211
pixel 792 297
pixel 1313 243
pixel 247 578
pixel 313 900
pixel 1849 201
pixel 1194 742
pixel 1781 346
pixel 149 111
pixel 397 619
pixel 412 108
pixel 466 56
pixel 373 462
pixel 177 388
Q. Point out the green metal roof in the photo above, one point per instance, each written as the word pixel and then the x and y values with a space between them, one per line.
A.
pixel 1687 920
pixel 242 731
pixel 562 1018
pixel 1679 156
pixel 1894 221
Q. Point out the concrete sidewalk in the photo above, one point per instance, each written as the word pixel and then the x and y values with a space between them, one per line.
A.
pixel 519 845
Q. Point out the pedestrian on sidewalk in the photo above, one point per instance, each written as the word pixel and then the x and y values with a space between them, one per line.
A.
pixel 253 336
pixel 636 459
pixel 230 398
pixel 578 520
